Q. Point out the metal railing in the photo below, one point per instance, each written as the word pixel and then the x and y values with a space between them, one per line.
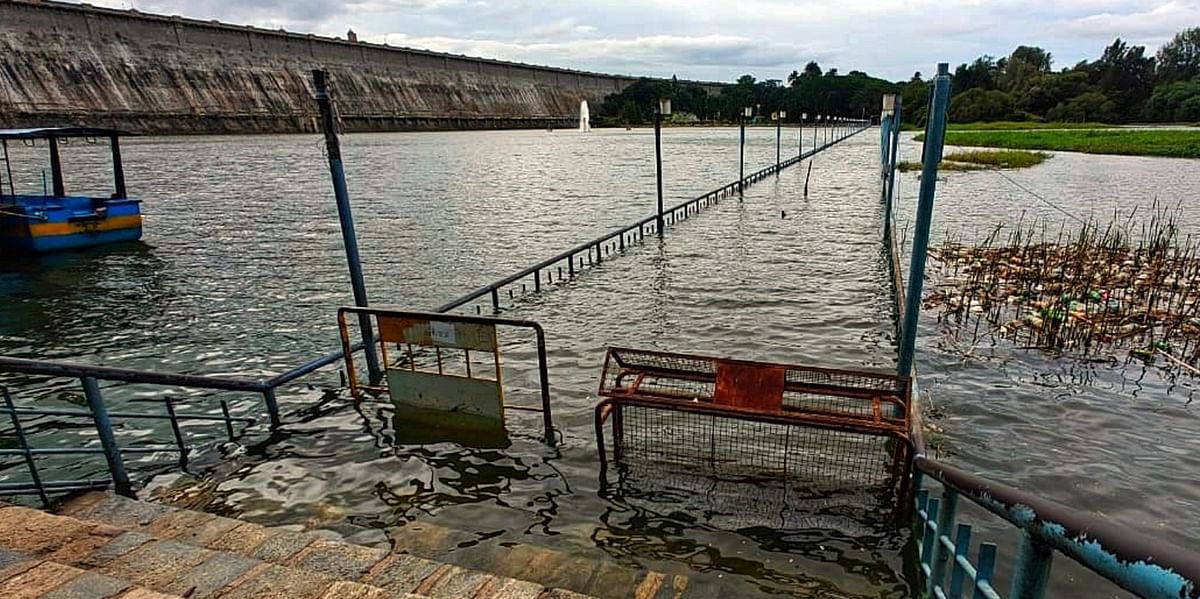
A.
pixel 102 419
pixel 1134 561
pixel 595 251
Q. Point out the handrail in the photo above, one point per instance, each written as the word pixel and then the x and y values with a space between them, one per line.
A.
pixel 1139 563
pixel 640 225
pixel 149 377
pixel 98 412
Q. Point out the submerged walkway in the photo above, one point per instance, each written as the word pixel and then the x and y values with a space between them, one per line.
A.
pixel 773 277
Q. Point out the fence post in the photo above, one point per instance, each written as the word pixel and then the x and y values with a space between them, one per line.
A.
pixel 742 154
pixel 935 131
pixel 1031 571
pixel 945 521
pixel 272 406
pixel 658 114
pixel 893 157
pixel 23 443
pixel 108 441
pixel 350 240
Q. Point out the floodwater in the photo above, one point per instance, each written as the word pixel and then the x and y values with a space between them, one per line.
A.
pixel 1114 438
pixel 242 270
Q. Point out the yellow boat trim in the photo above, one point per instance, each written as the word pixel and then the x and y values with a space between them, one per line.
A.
pixel 130 221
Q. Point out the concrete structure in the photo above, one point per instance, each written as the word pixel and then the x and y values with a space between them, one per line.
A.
pixel 77 64
pixel 106 546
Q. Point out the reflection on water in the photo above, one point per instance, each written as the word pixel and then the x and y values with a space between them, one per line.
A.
pixel 242 272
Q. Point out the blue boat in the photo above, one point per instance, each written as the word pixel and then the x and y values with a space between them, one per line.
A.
pixel 53 220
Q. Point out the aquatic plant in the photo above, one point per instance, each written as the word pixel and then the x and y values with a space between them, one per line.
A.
pixel 1124 288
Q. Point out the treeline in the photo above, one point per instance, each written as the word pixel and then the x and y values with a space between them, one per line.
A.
pixel 1123 85
pixel 812 91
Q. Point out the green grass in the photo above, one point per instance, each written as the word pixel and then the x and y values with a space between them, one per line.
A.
pixel 979 159
pixel 1173 143
pixel 999 158
pixel 1024 125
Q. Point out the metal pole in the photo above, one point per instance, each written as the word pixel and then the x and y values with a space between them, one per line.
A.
pixel 778 139
pixel 1031 569
pixel 893 156
pixel 742 155
pixel 108 441
pixel 658 163
pixel 56 174
pixel 118 167
pixel 935 132
pixel 273 406
pixel 338 173
pixel 547 419
pixel 8 169
pixel 23 443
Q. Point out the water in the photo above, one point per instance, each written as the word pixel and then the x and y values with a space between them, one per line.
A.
pixel 242 271
pixel 1114 439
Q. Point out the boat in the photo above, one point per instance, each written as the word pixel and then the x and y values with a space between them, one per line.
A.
pixel 53 220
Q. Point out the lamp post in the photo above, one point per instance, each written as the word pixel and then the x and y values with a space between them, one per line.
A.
pixel 778 116
pixel 746 112
pixel 800 135
pixel 663 109
pixel 816 131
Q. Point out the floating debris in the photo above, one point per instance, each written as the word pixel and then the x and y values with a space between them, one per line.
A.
pixel 1095 291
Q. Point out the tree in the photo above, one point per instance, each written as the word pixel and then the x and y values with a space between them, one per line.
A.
pixel 977 104
pixel 1173 102
pixel 1023 65
pixel 1033 56
pixel 1088 106
pixel 793 77
pixel 1126 75
pixel 914 96
pixel 1179 59
pixel 979 74
pixel 812 69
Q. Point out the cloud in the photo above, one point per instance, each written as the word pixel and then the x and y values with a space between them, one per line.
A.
pixel 660 53
pixel 714 39
pixel 1155 26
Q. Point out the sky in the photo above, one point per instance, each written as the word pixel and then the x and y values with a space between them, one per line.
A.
pixel 718 40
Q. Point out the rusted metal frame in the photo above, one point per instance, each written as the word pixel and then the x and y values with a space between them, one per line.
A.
pixel 839 424
pixel 1137 562
pixel 543 368
pixel 901 381
pixel 789 386
pixel 611 406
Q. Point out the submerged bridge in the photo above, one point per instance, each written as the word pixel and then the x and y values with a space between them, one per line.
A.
pixel 843 431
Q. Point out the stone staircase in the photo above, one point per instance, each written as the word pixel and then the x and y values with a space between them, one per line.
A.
pixel 102 546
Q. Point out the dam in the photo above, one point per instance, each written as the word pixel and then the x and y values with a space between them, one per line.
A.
pixel 76 64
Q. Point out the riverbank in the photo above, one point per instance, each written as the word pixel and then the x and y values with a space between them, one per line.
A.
pixel 981 159
pixel 1169 143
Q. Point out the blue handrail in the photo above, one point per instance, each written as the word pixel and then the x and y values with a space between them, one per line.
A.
pixel 1139 563
pixel 97 411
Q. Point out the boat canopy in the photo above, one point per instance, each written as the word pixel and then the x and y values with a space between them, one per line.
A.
pixel 60 132
pixel 53 134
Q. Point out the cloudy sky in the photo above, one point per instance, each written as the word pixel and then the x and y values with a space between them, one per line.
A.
pixel 719 39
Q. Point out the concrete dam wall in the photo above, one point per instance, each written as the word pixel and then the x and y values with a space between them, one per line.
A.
pixel 76 64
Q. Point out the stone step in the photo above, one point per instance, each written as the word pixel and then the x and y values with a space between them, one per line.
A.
pixel 594 576
pixel 25 576
pixel 199 555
